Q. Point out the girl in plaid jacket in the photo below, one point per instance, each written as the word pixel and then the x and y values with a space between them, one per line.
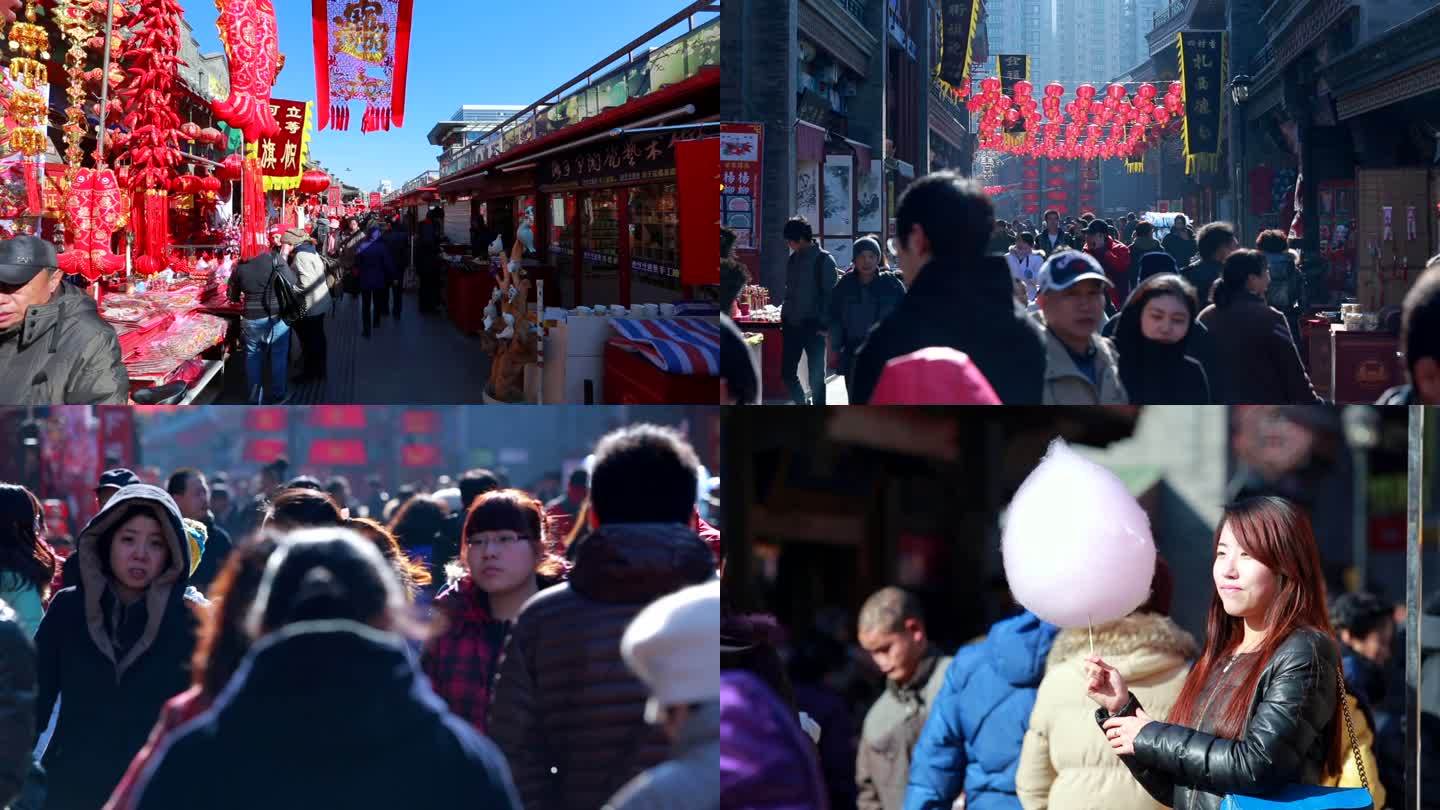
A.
pixel 506 556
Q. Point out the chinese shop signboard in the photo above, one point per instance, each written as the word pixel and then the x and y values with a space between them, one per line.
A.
pixel 641 158
pixel 283 154
pixel 740 162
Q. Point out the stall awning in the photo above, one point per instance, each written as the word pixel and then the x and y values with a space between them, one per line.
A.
pixel 657 101
pixel 809 141
pixel 862 157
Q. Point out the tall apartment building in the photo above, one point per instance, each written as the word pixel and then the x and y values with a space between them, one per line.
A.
pixel 1019 26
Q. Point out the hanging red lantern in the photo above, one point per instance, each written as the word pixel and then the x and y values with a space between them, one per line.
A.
pixel 1085 91
pixel 212 136
pixel 1115 91
pixel 990 85
pixel 1161 116
pixel 210 184
pixel 190 131
pixel 1054 90
pixel 229 169
pixel 1146 91
pixel 185 184
pixel 1023 89
pixel 314 181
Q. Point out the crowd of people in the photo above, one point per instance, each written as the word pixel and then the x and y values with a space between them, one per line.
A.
pixel 1079 311
pixel 1033 716
pixel 384 654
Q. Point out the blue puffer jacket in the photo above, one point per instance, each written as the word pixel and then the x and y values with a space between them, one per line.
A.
pixel 971 741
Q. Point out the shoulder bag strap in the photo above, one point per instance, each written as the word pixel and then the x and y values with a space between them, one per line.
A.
pixel 1350 728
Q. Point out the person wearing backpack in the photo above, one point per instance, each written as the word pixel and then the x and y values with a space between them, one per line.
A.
pixel 309 268
pixel 810 277
pixel 261 283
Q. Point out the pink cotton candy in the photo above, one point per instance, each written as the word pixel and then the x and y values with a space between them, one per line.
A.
pixel 1077 545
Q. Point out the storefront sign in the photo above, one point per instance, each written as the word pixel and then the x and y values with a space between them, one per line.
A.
pixel 374 200
pixel 957 34
pixel 1012 68
pixel 281 154
pixel 642 158
pixel 741 147
pixel 1202 70
pixel 653 269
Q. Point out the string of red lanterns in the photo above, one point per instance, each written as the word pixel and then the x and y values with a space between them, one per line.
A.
pixel 1115 125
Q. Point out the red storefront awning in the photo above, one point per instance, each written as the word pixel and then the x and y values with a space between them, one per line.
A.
pixel 655 102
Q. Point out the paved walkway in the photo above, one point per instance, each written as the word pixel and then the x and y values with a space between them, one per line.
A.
pixel 421 359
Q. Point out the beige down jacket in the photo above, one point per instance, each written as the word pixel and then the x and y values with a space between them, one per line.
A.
pixel 1065 763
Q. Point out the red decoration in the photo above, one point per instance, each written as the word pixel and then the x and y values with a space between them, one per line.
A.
pixel 314 181
pixel 362 55
pixel 230 168
pixel 252 50
pixel 190 131
pixel 92 211
pixel 214 137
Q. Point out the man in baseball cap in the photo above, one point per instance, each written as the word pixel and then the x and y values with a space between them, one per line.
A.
pixel 54 348
pixel 111 482
pixel 674 647
pixel 1081 367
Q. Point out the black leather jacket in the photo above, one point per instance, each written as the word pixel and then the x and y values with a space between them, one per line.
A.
pixel 1285 740
pixel 17 704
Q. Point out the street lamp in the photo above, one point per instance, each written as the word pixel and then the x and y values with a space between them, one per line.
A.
pixel 1239 94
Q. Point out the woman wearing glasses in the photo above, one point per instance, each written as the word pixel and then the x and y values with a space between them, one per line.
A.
pixel 506 557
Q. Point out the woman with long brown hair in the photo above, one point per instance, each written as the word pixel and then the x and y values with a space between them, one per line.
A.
pixel 1260 709
pixel 27 565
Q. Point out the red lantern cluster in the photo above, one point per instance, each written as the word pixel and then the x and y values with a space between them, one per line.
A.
pixel 314 181
pixel 1112 124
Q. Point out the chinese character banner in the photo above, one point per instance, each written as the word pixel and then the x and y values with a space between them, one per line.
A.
pixel 740 178
pixel 1203 74
pixel 282 156
pixel 958 19
pixel 362 52
pixel 1012 68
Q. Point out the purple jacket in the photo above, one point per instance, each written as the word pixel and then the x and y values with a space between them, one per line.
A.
pixel 373 262
pixel 766 761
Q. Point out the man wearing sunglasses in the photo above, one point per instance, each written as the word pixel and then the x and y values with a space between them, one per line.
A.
pixel 54 348
pixel 957 296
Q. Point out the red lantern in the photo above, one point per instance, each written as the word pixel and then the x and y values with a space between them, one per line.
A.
pixel 1023 89
pixel 1162 116
pixel 190 130
pixel 230 169
pixel 990 85
pixel 1054 90
pixel 1085 91
pixel 314 181
pixel 185 184
pixel 210 184
pixel 1115 91
pixel 213 136
pixel 1146 91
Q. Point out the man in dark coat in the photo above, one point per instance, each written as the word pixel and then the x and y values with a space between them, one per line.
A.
pixel 1180 242
pixel 54 348
pixel 567 713
pixel 192 494
pixel 957 296
pixel 863 297
pixel 1214 245
pixel 810 276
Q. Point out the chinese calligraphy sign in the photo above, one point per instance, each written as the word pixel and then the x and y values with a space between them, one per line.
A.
pixel 1202 71
pixel 362 53
pixel 957 34
pixel 740 181
pixel 282 155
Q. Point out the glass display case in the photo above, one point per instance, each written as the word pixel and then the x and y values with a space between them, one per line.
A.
pixel 601 244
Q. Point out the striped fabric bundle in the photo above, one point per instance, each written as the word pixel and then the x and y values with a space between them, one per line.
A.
pixel 675 345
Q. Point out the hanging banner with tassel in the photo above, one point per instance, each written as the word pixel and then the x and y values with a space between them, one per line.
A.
pixel 1012 68
pixel 958 20
pixel 1203 57
pixel 362 52
pixel 282 157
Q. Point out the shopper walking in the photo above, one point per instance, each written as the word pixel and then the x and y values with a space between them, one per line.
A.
pixel 561 672
pixel 1064 764
pixel 1180 244
pixel 113 649
pixel 810 277
pixel 1081 366
pixel 397 239
pixel 310 271
pixel 266 335
pixel 27 564
pixel 1214 244
pixel 192 494
pixel 507 557
pixel 1260 708
pixel 328 704
pixel 1113 256
pixel 1258 362
pixel 863 297
pixel 374 266
pixel 1053 237
pixel 956 295
pixel 1156 335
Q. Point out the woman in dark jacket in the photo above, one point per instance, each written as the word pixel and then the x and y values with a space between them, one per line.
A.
pixel 328 619
pixel 116 647
pixel 1260 709
pixel 507 557
pixel 1258 362
pixel 375 268
pixel 1153 335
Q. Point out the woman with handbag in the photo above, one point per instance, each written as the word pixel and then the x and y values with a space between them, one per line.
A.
pixel 1260 713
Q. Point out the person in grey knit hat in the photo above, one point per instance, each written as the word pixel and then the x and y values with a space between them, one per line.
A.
pixel 863 297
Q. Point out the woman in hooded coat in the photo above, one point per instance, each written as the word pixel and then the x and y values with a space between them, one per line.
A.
pixel 1064 764
pixel 328 708
pixel 1156 337
pixel 117 646
pixel 506 557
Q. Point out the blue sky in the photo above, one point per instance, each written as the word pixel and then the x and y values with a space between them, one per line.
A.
pixel 461 52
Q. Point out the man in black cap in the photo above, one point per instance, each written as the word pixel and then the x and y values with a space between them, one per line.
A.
pixel 54 349
pixel 111 482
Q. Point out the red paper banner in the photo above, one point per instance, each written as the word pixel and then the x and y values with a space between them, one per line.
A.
pixel 338 417
pixel 697 179
pixel 374 200
pixel 279 154
pixel 420 455
pixel 116 435
pixel 362 53
pixel 740 164
pixel 267 420
pixel 338 453
pixel 264 451
pixel 420 422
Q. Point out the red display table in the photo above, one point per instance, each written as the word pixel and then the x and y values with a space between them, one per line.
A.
pixel 466 294
pixel 1365 364
pixel 630 379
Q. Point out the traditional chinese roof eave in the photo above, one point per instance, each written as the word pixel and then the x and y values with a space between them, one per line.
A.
pixel 706 79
